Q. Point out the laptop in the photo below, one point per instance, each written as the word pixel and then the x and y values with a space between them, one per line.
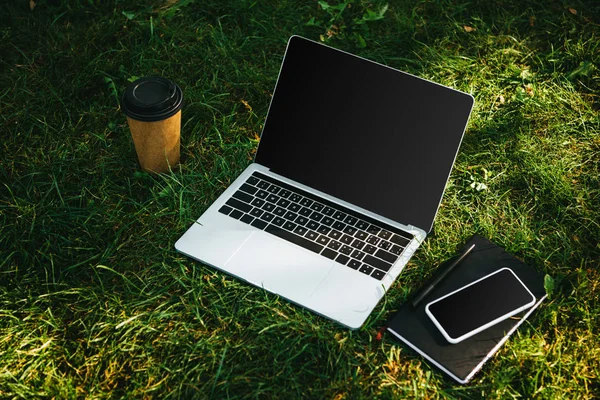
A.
pixel 347 179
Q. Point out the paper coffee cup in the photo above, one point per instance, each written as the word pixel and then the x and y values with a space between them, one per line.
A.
pixel 153 109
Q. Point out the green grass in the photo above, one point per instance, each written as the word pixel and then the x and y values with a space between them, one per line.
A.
pixel 95 302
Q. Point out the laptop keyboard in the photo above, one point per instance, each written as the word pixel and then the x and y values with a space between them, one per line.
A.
pixel 326 228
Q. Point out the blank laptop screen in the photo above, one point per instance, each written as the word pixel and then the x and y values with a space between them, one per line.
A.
pixel 365 133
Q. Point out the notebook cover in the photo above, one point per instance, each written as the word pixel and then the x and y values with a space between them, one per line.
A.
pixel 462 360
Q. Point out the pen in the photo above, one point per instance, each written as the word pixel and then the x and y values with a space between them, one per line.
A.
pixel 433 284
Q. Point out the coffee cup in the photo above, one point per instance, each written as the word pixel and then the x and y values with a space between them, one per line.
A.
pixel 152 106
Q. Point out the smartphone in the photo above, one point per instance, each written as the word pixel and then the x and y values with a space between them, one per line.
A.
pixel 479 305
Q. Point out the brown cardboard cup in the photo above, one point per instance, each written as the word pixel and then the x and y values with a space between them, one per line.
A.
pixel 153 109
pixel 157 143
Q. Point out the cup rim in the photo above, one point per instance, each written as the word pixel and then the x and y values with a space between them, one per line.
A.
pixel 159 110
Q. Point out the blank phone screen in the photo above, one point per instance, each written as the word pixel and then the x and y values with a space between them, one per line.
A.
pixel 481 303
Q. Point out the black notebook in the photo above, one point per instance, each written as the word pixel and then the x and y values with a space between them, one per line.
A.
pixel 462 360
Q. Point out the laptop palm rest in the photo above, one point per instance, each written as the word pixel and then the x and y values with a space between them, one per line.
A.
pixel 278 266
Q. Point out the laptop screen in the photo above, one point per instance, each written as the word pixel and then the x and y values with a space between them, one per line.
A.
pixel 373 136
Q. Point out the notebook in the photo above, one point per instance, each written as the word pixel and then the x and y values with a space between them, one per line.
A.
pixel 345 185
pixel 461 361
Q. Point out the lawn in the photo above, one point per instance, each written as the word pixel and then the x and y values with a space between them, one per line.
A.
pixel 96 303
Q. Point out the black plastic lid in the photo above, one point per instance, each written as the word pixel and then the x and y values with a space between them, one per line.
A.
pixel 152 99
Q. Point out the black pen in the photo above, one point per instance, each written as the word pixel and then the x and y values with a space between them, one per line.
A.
pixel 433 284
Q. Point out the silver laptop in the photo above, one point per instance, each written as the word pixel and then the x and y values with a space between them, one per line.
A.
pixel 348 177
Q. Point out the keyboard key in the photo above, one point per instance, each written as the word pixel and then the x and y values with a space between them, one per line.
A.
pixel 290 226
pixel 396 250
pixel 328 211
pixel 272 198
pixel 350 220
pixel 329 253
pixel 282 233
pixel 384 255
pixel 323 240
pixel 357 254
pixel 306 202
pixel 369 249
pixel 345 249
pixel 377 263
pixel 245 197
pixel 295 197
pixel 350 230
pixel 284 193
pixel 259 223
pixel 338 225
pixel 399 240
pixel 262 194
pixel 257 202
pixel 312 235
pixel 339 215
pixel 328 221
pixel 225 209
pixel 312 225
pixel 235 203
pixel 366 269
pixel 377 274
pixel 342 259
pixel 317 206
pixel 384 245
pixel 358 244
pixel 301 220
pixel 324 230
pixel 268 207
pixel 362 235
pixel 248 189
pixel 316 216
pixel 237 214
pixel 290 215
pixel 384 234
pixel 346 239
pixel 278 221
pixel 247 218
pixel 373 230
pixel 263 185
pixel 256 212
pixel 273 189
pixel 294 207
pixel 362 225
pixel 300 230
pixel 267 216
pixel 335 234
pixel 283 203
pixel 334 245
pixel 252 180
pixel 354 264
pixel 373 240
pixel 279 211
pixel 305 211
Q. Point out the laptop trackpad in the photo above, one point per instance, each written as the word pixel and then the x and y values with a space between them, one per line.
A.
pixel 278 266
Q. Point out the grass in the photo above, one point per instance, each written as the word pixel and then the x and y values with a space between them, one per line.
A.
pixel 95 302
